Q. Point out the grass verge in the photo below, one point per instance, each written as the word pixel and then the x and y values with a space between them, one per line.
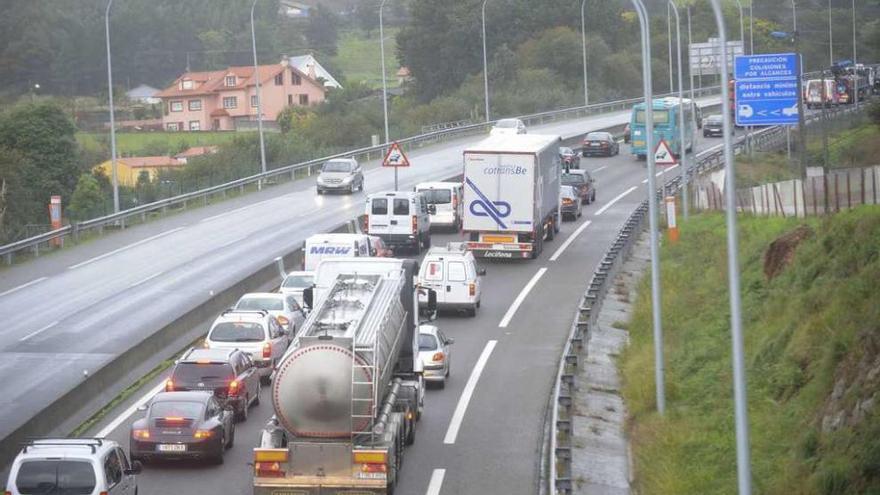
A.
pixel 151 143
pixel 812 340
pixel 360 58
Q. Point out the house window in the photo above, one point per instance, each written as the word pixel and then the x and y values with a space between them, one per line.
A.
pixel 230 102
pixel 195 105
pixel 176 106
pixel 279 79
pixel 172 126
pixel 303 100
pixel 187 84
pixel 290 99
pixel 195 125
pixel 297 79
pixel 230 81
pixel 254 101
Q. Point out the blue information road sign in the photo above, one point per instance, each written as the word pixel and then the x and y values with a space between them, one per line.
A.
pixel 766 89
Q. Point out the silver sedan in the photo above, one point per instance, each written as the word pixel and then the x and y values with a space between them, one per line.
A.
pixel 434 351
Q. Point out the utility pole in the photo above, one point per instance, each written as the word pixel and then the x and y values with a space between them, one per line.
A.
pixel 259 97
pixel 384 81
pixel 584 51
pixel 114 177
pixel 485 64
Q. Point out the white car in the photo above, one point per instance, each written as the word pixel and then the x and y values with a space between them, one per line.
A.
pixel 254 332
pixel 285 309
pixel 72 465
pixel 446 198
pixel 508 126
pixel 452 273
pixel 295 283
pixel 434 352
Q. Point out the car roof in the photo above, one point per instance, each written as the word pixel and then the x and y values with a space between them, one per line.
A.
pixel 253 295
pixel 393 194
pixel 65 448
pixel 437 185
pixel 575 171
pixel 213 355
pixel 300 273
pixel 599 133
pixel 190 396
pixel 428 330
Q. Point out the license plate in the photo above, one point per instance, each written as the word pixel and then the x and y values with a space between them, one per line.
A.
pixel 171 447
pixel 370 476
pixel 638 143
pixel 595 145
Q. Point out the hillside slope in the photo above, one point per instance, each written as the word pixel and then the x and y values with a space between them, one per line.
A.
pixel 811 303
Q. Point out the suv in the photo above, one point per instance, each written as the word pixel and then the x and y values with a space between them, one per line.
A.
pixel 582 182
pixel 341 174
pixel 229 373
pixel 254 332
pixel 87 466
pixel 401 219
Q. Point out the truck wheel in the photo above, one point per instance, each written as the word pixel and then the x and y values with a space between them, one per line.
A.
pixel 551 232
pixel 417 245
pixel 539 244
pixel 427 243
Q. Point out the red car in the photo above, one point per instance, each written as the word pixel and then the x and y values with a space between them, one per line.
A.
pixel 379 249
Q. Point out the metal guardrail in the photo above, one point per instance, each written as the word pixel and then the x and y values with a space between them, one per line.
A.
pixel 119 220
pixel 560 480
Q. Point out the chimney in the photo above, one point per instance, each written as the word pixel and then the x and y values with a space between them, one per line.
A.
pixel 285 61
pixel 311 68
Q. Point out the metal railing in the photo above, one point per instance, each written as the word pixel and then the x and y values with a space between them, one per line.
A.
pixel 560 479
pixel 120 219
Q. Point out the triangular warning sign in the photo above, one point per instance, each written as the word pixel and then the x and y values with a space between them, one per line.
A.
pixel 663 154
pixel 395 157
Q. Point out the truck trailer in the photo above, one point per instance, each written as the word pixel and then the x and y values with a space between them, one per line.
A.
pixel 348 392
pixel 511 195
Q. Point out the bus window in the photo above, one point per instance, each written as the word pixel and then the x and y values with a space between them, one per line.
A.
pixel 660 117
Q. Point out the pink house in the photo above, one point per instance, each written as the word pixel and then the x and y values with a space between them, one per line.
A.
pixel 227 99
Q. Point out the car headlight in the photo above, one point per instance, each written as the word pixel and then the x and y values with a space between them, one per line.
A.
pixel 347 179
pixel 320 180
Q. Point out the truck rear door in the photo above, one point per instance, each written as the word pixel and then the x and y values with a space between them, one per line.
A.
pixel 499 192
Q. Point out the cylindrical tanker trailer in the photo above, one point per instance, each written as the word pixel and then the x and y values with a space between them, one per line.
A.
pixel 348 391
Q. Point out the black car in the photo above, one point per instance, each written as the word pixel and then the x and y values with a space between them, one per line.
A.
pixel 191 425
pixel 571 203
pixel 582 182
pixel 713 126
pixel 229 373
pixel 601 144
pixel 569 158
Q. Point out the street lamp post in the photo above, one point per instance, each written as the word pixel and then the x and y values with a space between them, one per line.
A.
pixel 802 129
pixel 259 97
pixel 682 148
pixel 647 88
pixel 752 28
pixel 485 64
pixel 830 37
pixel 384 80
pixel 856 79
pixel 743 467
pixel 584 50
pixel 669 46
pixel 742 31
pixel 114 174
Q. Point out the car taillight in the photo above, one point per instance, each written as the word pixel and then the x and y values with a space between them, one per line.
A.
pixel 140 434
pixel 366 223
pixel 454 202
pixel 203 434
pixel 415 225
pixel 267 352
pixel 233 387
pixel 268 462
pixel 169 385
pixel 269 470
pixel 282 320
pixel 438 356
pixel 567 201
pixel 472 289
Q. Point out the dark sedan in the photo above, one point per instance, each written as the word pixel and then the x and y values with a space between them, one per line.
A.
pixel 572 204
pixel 183 425
pixel 713 126
pixel 601 144
pixel 582 182
pixel 569 158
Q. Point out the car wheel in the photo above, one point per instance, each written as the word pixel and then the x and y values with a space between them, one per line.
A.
pixel 257 396
pixel 320 192
pixel 593 197
pixel 441 384
pixel 580 212
pixel 352 188
pixel 242 414
pixel 361 186
pixel 231 441
pixel 472 312
pixel 218 459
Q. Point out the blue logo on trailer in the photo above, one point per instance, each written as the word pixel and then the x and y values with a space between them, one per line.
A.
pixel 766 89
pixel 484 207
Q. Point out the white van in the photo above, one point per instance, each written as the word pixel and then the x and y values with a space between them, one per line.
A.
pixel 452 272
pixel 401 219
pixel 446 198
pixel 320 246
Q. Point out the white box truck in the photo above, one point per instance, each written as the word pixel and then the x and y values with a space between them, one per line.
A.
pixel 511 195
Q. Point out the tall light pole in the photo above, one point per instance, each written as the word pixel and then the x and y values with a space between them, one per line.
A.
pixel 259 97
pixel 384 80
pixel 741 414
pixel 669 49
pixel 682 148
pixel 647 88
pixel 114 175
pixel 742 36
pixel 584 50
pixel 752 27
pixel 830 37
pixel 856 79
pixel 690 65
pixel 802 129
pixel 485 64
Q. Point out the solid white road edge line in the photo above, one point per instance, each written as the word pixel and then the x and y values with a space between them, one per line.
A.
pixel 123 248
pixel 466 394
pixel 570 239
pixel 22 286
pixel 436 482
pixel 520 298
pixel 143 281
pixel 131 410
pixel 615 200
pixel 32 334
pixel 603 167
pixel 237 210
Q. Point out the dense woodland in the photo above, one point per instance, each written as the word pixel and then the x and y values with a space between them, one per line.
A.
pixel 534 65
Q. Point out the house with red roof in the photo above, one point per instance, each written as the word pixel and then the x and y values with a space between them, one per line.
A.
pixel 226 100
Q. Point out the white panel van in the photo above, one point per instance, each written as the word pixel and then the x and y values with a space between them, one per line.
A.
pixel 452 272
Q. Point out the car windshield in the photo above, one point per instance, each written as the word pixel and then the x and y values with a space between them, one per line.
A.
pixel 258 303
pixel 572 179
pixel 715 119
pixel 197 372
pixel 506 124
pixel 427 342
pixel 597 136
pixel 298 281
pixel 437 196
pixel 239 331
pixel 175 409
pixel 55 476
pixel 334 166
pixel 568 192
pixel 565 151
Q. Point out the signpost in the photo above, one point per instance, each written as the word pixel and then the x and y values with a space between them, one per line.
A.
pixel 55 218
pixel 663 154
pixel 395 158
pixel 766 89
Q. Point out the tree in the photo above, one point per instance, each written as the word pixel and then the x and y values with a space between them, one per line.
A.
pixel 321 31
pixel 88 200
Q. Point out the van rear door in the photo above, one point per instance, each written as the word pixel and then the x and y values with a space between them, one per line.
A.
pixel 379 220
pixel 433 277
pixel 400 220
pixel 458 282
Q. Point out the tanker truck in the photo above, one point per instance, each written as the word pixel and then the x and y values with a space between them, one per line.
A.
pixel 349 390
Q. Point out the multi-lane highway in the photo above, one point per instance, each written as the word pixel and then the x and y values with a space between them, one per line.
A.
pixel 483 432
pixel 72 312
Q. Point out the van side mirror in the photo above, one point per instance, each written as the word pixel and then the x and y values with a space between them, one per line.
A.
pixel 481 272
pixel 308 296
pixel 450 340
